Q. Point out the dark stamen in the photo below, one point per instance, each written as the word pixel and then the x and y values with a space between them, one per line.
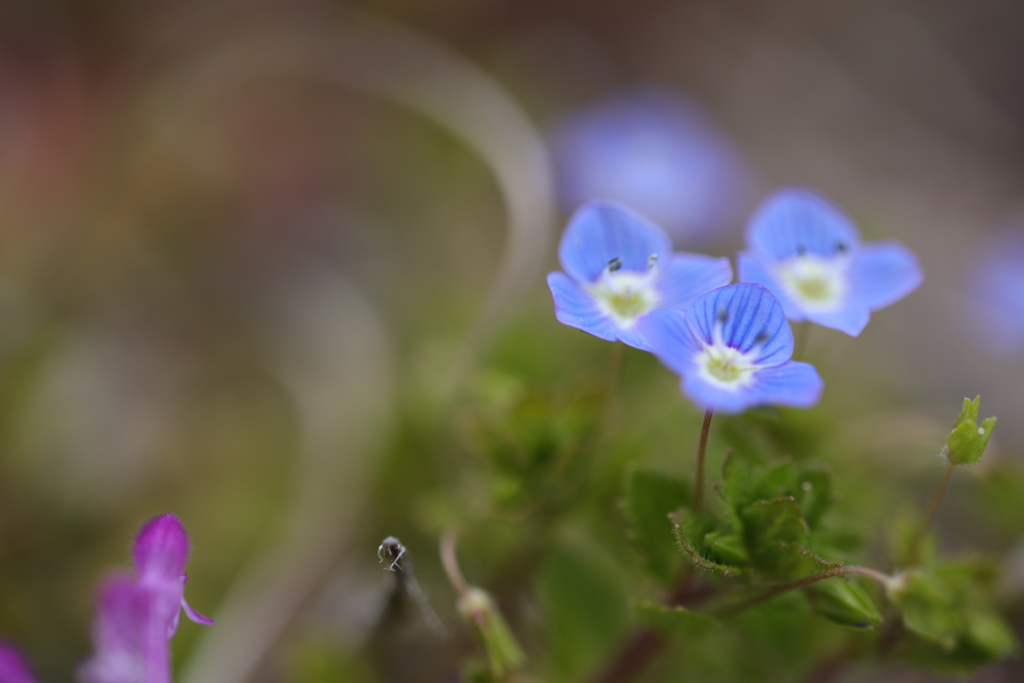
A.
pixel 722 315
pixel 614 265
pixel 761 338
pixel 840 247
pixel 651 260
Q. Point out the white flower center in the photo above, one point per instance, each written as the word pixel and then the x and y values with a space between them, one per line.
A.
pixel 625 295
pixel 724 366
pixel 816 283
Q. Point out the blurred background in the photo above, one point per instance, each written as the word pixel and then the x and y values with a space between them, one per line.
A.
pixel 277 267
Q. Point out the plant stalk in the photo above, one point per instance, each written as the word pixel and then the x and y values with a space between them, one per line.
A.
pixel 698 484
pixel 933 511
pixel 775 591
pixel 450 562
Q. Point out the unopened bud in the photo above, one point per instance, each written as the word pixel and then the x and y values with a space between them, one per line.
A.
pixel 481 613
pixel 966 443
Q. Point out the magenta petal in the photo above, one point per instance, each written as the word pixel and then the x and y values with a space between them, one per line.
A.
pixel 118 614
pixel 116 633
pixel 161 547
pixel 196 616
pixel 13 668
pixel 175 620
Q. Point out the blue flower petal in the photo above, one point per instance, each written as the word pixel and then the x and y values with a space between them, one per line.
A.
pixel 752 268
pixel 633 336
pixel 707 395
pixel 881 274
pixel 601 231
pixel 851 320
pixel 795 220
pixel 687 276
pixel 575 308
pixel 793 384
pixel 995 290
pixel 790 384
pixel 670 338
pixel 752 316
pixel 658 152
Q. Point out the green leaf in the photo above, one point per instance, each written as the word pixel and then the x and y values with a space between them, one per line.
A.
pixel 744 482
pixel 693 533
pixel 844 603
pixel 966 443
pixel 989 638
pixel 814 493
pixel 778 481
pixel 986 639
pixel 949 607
pixel 775 533
pixel 767 522
pixel 650 497
pixel 726 549
pixel 675 620
pixel 585 606
pixel 809 485
pixel 738 478
pixel 929 607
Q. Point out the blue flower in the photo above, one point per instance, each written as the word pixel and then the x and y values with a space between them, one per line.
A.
pixel 656 151
pixel 995 286
pixel 732 348
pixel 620 268
pixel 808 253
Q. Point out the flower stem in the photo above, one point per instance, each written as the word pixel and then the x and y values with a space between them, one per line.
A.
pixel 451 562
pixel 933 510
pixel 698 485
pixel 775 591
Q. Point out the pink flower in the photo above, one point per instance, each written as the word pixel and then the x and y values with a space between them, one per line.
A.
pixel 137 616
pixel 13 668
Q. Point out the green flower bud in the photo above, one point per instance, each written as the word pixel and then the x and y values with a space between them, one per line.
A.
pixel 966 443
pixel 503 652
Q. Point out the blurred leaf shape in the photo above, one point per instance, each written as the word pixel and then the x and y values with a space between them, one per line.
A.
pixel 650 497
pixel 585 606
pixel 949 610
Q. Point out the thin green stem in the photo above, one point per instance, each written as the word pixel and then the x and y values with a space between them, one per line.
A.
pixel 698 485
pixel 933 511
pixel 776 591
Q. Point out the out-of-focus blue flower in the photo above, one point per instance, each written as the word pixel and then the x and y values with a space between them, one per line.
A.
pixel 620 268
pixel 136 617
pixel 657 152
pixel 995 286
pixel 732 348
pixel 13 668
pixel 808 253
